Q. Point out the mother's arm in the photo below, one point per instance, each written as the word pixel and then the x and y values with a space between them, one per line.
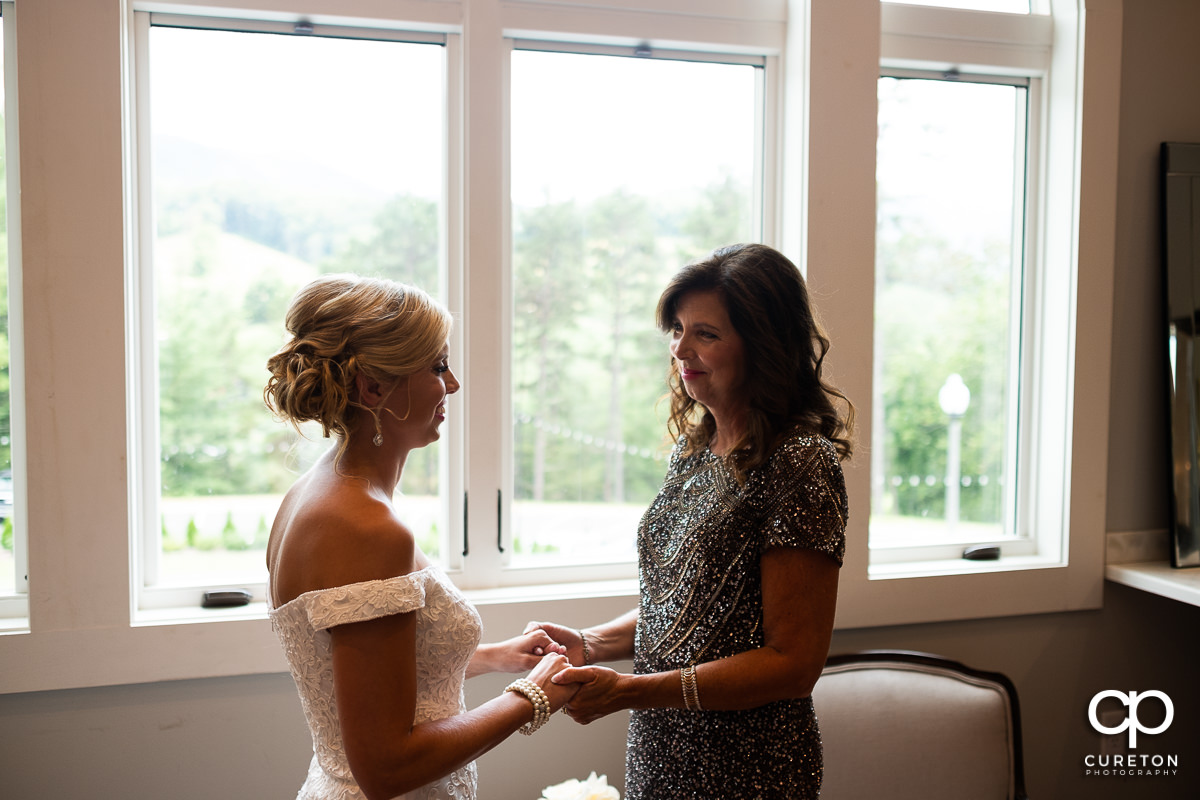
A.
pixel 612 641
pixel 799 601
pixel 518 654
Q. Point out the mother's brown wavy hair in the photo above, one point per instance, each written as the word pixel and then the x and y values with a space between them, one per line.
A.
pixel 767 301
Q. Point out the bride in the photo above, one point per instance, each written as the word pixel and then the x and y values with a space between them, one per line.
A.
pixel 379 641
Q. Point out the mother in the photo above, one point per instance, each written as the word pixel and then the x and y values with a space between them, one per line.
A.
pixel 738 555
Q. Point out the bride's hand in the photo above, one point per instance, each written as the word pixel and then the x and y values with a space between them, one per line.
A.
pixel 523 652
pixel 568 637
pixel 547 668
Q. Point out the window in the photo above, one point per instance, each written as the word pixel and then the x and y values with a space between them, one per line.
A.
pixel 282 162
pixel 294 152
pixel 959 291
pixel 816 144
pixel 1022 419
pixel 617 183
pixel 951 174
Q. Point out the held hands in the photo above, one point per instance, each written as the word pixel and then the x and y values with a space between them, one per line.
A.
pixel 595 689
pixel 599 692
pixel 569 638
pixel 524 652
pixel 543 675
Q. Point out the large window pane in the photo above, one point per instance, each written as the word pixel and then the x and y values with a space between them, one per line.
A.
pixel 950 177
pixel 274 158
pixel 623 169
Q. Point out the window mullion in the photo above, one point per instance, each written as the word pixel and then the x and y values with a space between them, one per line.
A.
pixel 485 266
pixel 454 456
pixel 142 408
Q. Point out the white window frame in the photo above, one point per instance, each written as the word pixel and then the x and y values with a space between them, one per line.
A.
pixel 154 603
pixel 1064 439
pixel 754 28
pixel 488 540
pixel 491 569
pixel 1024 506
pixel 83 629
pixel 14 608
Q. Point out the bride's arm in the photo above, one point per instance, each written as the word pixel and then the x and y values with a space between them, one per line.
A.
pixel 375 680
pixel 518 654
pixel 376 704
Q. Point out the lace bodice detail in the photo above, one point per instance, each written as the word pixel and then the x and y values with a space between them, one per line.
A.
pixel 448 631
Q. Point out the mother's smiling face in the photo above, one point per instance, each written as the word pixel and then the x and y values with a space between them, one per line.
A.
pixel 710 356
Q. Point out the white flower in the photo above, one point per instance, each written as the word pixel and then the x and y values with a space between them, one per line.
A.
pixel 591 789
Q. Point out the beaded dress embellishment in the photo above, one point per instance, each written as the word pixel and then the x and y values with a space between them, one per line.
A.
pixel 700 544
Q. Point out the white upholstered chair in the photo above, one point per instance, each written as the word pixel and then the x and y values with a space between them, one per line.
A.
pixel 899 724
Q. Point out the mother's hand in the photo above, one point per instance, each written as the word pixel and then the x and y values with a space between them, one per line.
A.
pixel 524 652
pixel 599 692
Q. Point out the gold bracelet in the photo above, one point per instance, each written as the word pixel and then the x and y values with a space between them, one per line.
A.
pixel 541 703
pixel 587 653
pixel 691 688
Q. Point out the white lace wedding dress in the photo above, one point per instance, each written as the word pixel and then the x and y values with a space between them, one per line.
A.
pixel 448 631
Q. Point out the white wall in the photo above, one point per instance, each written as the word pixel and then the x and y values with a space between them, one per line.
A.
pixel 244 737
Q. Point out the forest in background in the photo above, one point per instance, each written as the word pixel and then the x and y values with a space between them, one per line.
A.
pixel 228 258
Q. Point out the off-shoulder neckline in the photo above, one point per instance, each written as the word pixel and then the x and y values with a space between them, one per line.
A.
pixel 315 592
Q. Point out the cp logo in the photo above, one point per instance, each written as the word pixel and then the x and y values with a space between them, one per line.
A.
pixel 1131 722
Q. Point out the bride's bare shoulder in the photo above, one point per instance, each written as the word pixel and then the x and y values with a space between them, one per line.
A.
pixel 335 533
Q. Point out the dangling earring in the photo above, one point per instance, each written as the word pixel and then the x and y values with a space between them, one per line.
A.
pixel 406 413
pixel 378 440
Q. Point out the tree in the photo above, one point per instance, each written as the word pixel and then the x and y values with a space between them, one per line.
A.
pixel 940 310
pixel 720 216
pixel 402 243
pixel 625 272
pixel 548 299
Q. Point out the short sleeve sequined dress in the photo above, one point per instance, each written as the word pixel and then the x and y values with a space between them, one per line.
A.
pixel 699 547
pixel 448 631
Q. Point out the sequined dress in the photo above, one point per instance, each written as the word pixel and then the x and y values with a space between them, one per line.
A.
pixel 448 631
pixel 699 545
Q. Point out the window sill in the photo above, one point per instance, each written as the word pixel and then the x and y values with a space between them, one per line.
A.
pixel 186 643
pixel 959 566
pixel 186 615
pixel 1160 578
pixel 625 589
pixel 1139 559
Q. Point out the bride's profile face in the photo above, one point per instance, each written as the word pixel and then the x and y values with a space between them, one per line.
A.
pixel 427 393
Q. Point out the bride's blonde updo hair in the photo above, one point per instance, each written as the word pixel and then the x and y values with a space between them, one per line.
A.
pixel 342 325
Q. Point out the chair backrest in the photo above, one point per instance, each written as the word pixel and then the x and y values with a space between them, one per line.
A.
pixel 898 724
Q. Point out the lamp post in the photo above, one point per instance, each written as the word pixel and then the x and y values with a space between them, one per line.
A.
pixel 954 397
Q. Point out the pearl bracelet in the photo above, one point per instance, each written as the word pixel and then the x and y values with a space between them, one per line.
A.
pixel 691 688
pixel 534 694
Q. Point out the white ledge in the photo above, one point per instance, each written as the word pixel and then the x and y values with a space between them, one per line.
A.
pixel 627 588
pixel 1140 559
pixel 1160 578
